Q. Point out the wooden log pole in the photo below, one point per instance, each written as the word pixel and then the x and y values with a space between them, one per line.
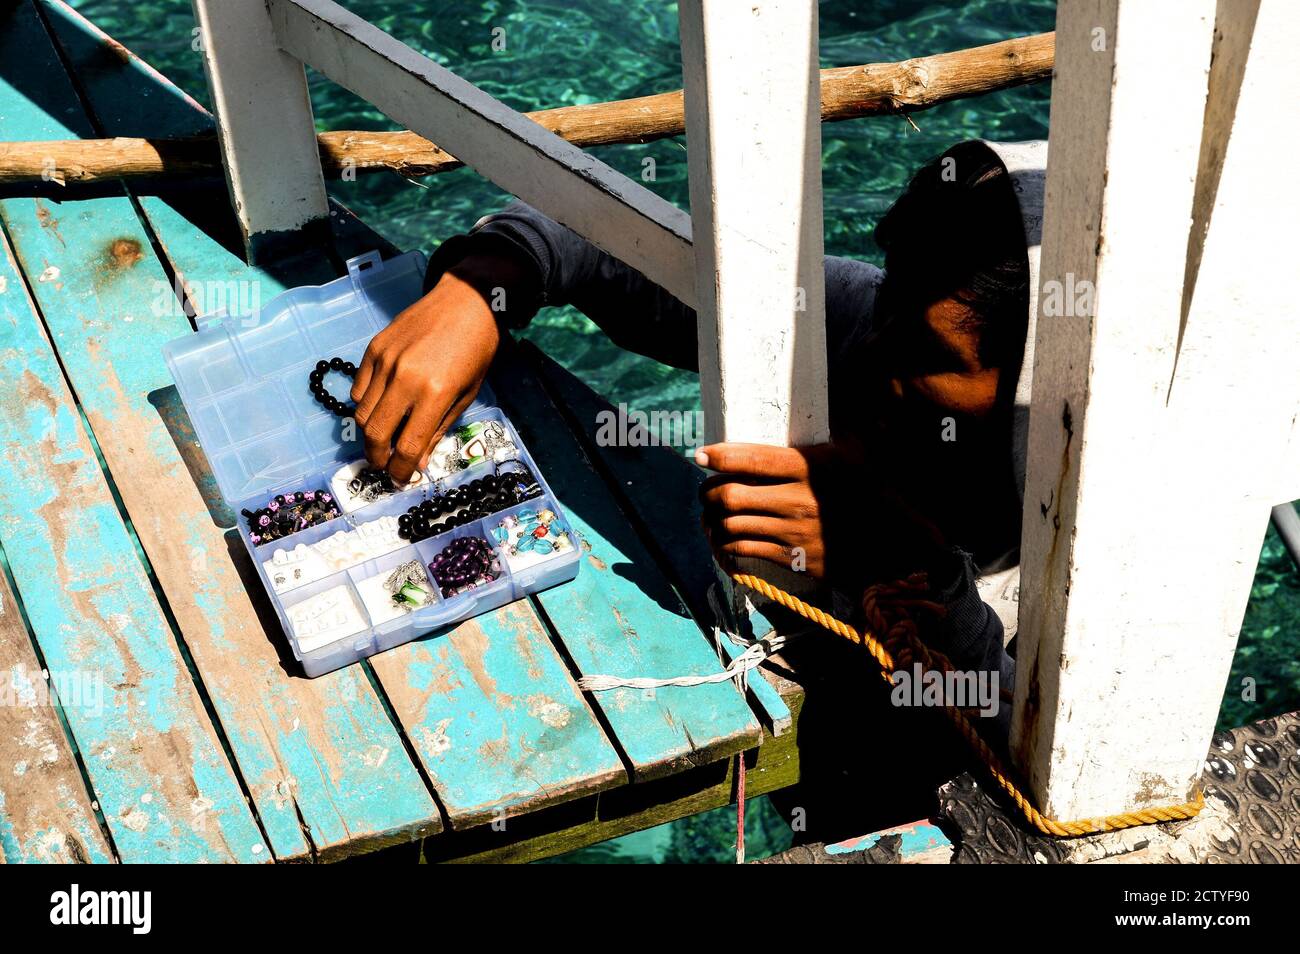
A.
pixel 847 92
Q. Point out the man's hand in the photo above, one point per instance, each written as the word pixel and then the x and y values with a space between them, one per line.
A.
pixel 815 509
pixel 429 364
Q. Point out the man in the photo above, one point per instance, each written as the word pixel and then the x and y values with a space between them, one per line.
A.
pixel 928 385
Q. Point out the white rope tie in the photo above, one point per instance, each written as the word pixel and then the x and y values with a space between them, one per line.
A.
pixel 756 650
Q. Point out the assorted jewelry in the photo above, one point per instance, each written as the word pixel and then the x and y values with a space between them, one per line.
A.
pixel 464 563
pixel 407 585
pixel 468 502
pixel 326 618
pixel 530 537
pixel 478 442
pixel 289 513
pixel 322 393
pixel 309 562
pixel 388 596
pixel 359 484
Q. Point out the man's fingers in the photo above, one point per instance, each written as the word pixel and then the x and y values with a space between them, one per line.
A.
pixel 755 460
pixel 381 381
pixel 413 442
pixel 747 527
pixel 756 549
pixel 722 495
pixel 378 429
pixel 365 371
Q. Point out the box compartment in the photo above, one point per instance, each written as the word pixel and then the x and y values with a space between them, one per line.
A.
pixel 245 384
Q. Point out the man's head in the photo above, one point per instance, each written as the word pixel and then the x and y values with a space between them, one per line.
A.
pixel 952 312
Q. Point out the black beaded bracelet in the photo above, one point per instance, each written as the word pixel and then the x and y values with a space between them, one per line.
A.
pixel 467 503
pixel 322 393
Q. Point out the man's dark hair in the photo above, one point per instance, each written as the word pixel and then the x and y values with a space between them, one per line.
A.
pixel 956 231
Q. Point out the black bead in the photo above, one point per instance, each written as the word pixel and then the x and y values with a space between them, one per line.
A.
pixel 322 366
pixel 336 364
pixel 349 368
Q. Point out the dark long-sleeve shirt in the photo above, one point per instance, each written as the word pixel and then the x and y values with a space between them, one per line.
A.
pixel 565 269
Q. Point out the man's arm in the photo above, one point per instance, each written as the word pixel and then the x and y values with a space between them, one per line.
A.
pixel 633 311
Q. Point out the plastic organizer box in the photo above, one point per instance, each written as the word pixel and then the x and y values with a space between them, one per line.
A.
pixel 245 383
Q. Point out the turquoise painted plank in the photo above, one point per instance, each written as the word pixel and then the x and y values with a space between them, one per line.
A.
pixel 644 477
pixel 130 98
pixel 620 616
pixel 166 789
pixel 544 744
pixel 325 765
pixel 915 840
pixel 45 809
pixel 497 719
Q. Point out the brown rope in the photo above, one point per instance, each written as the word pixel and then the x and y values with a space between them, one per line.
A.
pixel 889 610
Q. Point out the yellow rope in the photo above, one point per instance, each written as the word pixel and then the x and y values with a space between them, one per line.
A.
pixel 902 636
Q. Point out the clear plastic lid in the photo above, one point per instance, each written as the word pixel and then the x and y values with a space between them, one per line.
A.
pixel 244 379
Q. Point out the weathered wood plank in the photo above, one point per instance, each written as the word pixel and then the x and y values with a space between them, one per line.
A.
pixel 643 478
pixel 153 758
pixel 321 757
pixel 774 766
pixel 497 719
pixel 126 96
pixel 621 617
pixel 619 215
pixel 513 695
pixel 45 810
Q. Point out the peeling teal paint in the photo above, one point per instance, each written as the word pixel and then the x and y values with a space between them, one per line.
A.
pixel 915 839
pixel 620 616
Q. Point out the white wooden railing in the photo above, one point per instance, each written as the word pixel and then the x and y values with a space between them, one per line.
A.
pixel 1164 418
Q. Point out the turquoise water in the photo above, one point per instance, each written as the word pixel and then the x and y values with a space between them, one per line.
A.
pixel 584 51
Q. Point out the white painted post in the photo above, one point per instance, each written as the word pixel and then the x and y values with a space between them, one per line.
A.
pixel 265 126
pixel 753 128
pixel 1154 440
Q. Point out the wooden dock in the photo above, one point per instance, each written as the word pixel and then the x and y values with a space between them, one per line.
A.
pixel 149 708
pixel 126 579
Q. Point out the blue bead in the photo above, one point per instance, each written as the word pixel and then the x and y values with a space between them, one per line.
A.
pixel 543 546
pixel 500 534
pixel 525 544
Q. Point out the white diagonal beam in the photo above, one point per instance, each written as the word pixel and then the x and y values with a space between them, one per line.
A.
pixel 624 218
